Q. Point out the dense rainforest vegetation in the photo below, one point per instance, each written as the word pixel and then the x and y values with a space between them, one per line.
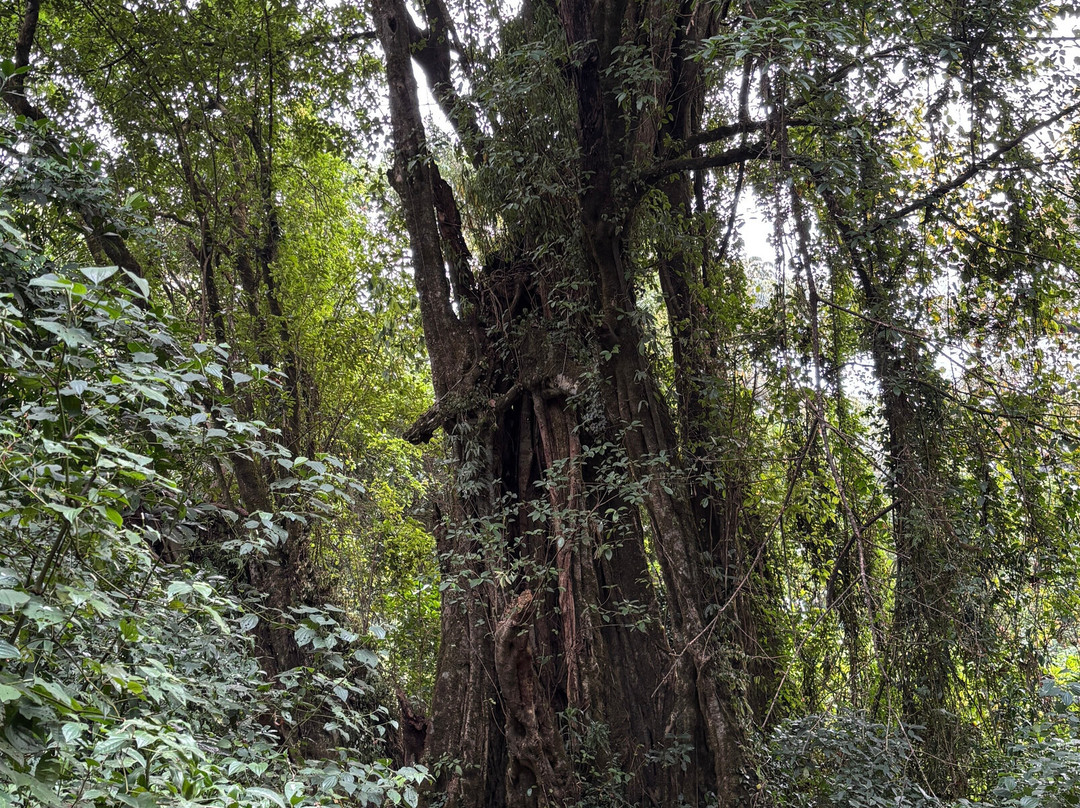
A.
pixel 545 403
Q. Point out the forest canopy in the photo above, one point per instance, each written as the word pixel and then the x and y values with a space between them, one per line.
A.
pixel 578 403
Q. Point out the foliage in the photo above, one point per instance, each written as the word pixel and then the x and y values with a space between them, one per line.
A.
pixel 809 517
pixel 823 760
pixel 849 760
pixel 1043 768
pixel 126 677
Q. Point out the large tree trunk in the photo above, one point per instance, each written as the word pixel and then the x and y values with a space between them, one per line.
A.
pixel 561 668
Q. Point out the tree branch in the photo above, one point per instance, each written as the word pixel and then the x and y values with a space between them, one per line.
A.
pixel 23 45
pixel 742 128
pixel 413 176
pixel 14 96
pixel 741 154
pixel 928 199
pixel 431 50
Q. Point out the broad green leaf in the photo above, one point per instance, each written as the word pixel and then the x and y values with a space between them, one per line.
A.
pixel 72 730
pixel 51 281
pixel 107 746
pixel 72 337
pixel 69 513
pixel 248 621
pixel 12 599
pixel 294 792
pixel 178 588
pixel 266 794
pixel 114 516
pixel 98 274
pixel 140 283
pixel 129 630
pixel 57 691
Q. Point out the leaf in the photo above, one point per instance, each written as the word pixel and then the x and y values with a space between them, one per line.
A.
pixel 107 746
pixel 366 657
pixel 98 275
pixel 294 792
pixel 8 694
pixel 70 514
pixel 267 794
pixel 140 283
pixel 8 651
pixel 178 588
pixel 51 281
pixel 12 599
pixel 248 621
pixel 72 337
pixel 151 393
pixel 304 635
pixel 57 691
pixel 72 730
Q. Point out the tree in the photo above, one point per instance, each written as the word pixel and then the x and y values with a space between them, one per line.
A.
pixel 217 133
pixel 586 173
pixel 125 676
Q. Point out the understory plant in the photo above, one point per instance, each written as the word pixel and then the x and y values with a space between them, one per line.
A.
pixel 128 673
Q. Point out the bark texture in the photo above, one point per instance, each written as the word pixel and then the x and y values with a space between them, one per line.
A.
pixel 564 661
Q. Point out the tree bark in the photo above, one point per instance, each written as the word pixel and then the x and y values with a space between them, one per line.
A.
pixel 926 612
pixel 559 668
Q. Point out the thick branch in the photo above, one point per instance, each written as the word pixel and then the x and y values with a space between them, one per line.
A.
pixel 23 45
pixel 423 428
pixel 741 154
pixel 743 127
pixel 413 177
pixel 431 49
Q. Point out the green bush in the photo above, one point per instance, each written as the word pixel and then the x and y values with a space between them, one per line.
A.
pixel 126 679
pixel 1044 769
pixel 846 760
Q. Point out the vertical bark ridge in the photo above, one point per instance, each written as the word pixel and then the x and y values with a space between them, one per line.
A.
pixel 567 670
